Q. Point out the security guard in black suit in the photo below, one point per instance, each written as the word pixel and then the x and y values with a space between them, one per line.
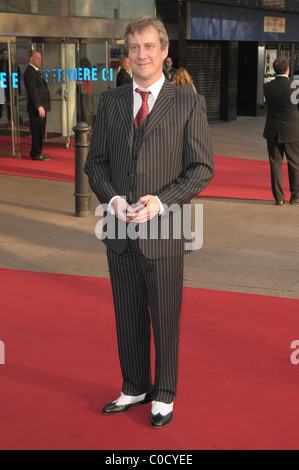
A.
pixel 38 104
pixel 282 131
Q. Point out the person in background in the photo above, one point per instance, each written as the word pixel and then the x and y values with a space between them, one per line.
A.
pixel 282 131
pixel 86 94
pixel 38 105
pixel 183 80
pixel 123 76
pixel 168 70
pixel 4 69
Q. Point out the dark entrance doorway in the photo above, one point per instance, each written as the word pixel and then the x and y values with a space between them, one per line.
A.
pixel 247 78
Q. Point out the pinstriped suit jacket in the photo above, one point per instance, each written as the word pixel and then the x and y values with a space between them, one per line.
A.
pixel 175 158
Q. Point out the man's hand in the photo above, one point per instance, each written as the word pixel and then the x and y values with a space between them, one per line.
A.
pixel 41 111
pixel 146 208
pixel 120 207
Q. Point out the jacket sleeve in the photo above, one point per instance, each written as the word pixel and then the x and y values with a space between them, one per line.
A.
pixel 198 161
pixel 97 165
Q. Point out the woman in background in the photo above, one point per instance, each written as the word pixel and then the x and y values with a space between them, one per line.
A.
pixel 183 80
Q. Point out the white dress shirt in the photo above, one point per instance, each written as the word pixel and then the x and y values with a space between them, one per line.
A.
pixel 35 68
pixel 154 89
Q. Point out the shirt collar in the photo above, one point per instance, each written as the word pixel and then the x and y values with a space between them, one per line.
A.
pixel 154 88
pixel 35 68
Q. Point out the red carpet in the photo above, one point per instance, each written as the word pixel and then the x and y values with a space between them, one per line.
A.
pixel 62 367
pixel 235 178
pixel 60 168
pixel 239 178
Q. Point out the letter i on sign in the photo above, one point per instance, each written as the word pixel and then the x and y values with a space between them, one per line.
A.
pixel 2 348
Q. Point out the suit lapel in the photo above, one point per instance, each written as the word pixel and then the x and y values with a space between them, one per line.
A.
pixel 164 103
pixel 41 75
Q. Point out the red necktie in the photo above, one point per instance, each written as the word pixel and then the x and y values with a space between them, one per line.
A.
pixel 143 110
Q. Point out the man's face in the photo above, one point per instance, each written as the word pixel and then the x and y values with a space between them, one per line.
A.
pixel 146 56
pixel 126 64
pixel 36 59
pixel 4 55
pixel 168 63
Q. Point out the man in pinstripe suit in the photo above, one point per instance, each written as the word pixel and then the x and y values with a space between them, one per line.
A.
pixel 150 148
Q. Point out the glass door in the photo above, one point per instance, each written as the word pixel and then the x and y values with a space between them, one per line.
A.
pixel 59 60
pixel 10 82
pixel 77 72
pixel 95 75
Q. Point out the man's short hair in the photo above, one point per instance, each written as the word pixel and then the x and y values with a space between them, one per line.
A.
pixel 143 22
pixel 280 65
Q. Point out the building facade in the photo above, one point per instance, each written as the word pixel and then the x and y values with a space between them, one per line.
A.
pixel 82 48
pixel 228 47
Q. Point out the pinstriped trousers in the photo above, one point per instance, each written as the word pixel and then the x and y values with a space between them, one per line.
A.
pixel 147 291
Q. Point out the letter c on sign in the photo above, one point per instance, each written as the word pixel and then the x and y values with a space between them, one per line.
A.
pixel 107 75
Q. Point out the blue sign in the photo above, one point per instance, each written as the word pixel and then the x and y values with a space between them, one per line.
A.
pixel 14 80
pixel 79 74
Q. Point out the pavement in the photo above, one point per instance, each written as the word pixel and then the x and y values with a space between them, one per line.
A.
pixel 248 246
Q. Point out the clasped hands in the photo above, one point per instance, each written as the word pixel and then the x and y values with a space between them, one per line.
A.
pixel 145 209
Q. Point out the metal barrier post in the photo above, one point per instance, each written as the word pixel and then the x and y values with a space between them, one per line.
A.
pixel 82 189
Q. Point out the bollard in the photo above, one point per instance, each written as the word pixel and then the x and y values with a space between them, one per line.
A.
pixel 82 189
